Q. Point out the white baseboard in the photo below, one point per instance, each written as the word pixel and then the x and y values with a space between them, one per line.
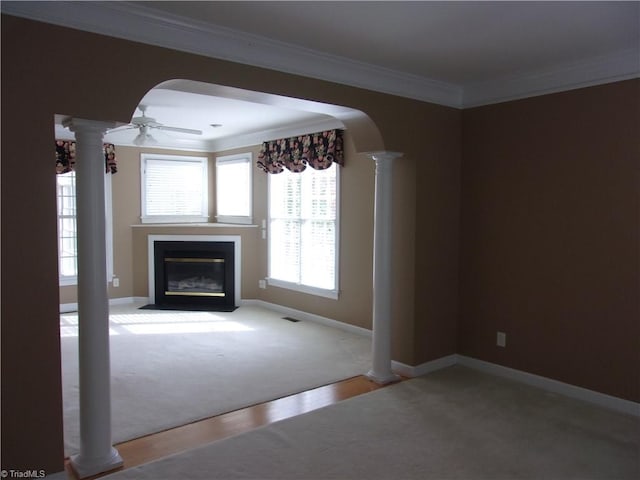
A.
pixel 579 393
pixel 73 307
pixel 601 399
pixel 424 368
pixel 292 312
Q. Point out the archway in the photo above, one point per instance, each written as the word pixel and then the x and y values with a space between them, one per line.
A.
pixel 366 138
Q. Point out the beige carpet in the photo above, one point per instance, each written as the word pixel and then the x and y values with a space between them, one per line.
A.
pixel 172 368
pixel 452 424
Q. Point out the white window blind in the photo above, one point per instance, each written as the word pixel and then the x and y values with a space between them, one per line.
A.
pixel 303 230
pixel 233 188
pixel 174 189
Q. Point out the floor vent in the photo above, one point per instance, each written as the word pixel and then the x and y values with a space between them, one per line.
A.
pixel 291 319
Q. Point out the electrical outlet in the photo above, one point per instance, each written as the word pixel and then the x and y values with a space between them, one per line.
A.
pixel 115 281
pixel 262 283
pixel 501 339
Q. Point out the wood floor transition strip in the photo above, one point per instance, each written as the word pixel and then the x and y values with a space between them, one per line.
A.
pixel 155 446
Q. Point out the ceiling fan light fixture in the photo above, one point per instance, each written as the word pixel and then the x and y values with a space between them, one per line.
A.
pixel 144 138
pixel 139 140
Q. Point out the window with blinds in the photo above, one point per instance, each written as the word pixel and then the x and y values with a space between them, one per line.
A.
pixel 234 189
pixel 67 251
pixel 174 189
pixel 303 230
pixel 67 228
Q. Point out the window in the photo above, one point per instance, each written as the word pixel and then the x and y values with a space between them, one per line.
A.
pixel 303 230
pixel 233 189
pixel 174 189
pixel 67 252
pixel 67 231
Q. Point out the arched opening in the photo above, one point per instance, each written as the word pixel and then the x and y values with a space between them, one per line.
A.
pixel 362 131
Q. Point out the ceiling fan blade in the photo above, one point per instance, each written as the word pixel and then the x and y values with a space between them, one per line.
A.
pixel 122 128
pixel 179 130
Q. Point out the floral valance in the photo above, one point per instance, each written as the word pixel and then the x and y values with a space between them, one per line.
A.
pixel 318 150
pixel 66 157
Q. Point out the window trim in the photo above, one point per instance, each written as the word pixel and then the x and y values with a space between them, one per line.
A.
pixel 246 157
pixel 300 287
pixel 204 206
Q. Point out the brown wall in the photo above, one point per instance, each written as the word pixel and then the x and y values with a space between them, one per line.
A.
pixel 437 239
pixel 550 245
pixel 50 70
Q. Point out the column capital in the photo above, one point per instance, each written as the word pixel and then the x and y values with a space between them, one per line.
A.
pixel 384 155
pixel 82 125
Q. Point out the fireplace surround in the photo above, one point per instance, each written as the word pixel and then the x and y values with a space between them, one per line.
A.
pixel 194 272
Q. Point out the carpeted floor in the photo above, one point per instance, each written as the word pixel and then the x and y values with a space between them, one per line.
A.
pixel 171 368
pixel 452 424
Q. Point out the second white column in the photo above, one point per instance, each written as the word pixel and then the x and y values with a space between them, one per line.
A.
pixel 382 253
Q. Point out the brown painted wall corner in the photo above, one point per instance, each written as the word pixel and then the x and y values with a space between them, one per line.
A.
pixel 550 239
pixel 437 235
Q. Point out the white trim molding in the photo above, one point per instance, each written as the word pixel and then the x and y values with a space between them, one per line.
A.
pixel 311 317
pixel 73 307
pixel 572 391
pixel 601 399
pixel 136 22
pixel 139 23
pixel 424 368
pixel 623 65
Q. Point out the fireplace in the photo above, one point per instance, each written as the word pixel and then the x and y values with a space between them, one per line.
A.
pixel 193 274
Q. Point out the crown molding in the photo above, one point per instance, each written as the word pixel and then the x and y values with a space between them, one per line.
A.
pixel 136 22
pixel 622 65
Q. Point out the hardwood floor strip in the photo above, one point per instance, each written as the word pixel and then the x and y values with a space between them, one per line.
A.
pixel 152 447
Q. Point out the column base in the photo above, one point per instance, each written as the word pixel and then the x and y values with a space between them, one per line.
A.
pixel 382 378
pixel 87 467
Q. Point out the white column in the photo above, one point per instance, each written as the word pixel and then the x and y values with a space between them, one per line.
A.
pixel 382 251
pixel 97 454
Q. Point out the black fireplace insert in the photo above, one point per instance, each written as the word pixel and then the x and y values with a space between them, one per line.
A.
pixel 194 275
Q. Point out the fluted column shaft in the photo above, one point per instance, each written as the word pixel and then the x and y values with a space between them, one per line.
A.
pixel 96 451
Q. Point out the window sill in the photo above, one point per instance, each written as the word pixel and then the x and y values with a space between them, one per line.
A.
pixel 193 225
pixel 319 292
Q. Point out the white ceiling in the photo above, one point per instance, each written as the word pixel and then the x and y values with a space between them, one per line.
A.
pixel 460 54
pixel 454 42
pixel 237 123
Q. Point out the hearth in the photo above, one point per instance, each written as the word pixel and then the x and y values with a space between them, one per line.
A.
pixel 194 275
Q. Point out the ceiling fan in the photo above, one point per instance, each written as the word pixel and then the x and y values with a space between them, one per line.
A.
pixel 145 124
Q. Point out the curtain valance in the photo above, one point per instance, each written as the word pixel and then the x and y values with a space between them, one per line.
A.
pixel 318 150
pixel 66 157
